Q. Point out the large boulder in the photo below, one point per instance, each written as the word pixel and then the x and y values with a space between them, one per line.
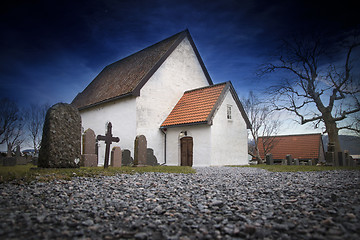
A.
pixel 61 140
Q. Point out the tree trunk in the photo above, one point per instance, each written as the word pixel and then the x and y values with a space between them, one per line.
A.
pixel 333 136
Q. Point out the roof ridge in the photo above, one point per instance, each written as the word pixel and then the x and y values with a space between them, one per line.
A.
pixel 210 86
pixel 292 135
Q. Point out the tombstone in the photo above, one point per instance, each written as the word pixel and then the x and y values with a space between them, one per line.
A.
pixel 341 159
pixel 116 157
pixel 330 155
pixel 283 162
pixel 108 138
pixel 310 162
pixel 296 162
pixel 289 159
pixel 20 160
pixel 151 159
pixel 61 140
pixel 89 158
pixel 140 151
pixel 269 159
pixel 127 160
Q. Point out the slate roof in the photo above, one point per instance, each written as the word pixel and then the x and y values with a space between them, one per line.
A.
pixel 127 76
pixel 199 105
pixel 305 146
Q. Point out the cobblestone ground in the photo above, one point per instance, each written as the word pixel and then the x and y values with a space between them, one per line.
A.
pixel 214 203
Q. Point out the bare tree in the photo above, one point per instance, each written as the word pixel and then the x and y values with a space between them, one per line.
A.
pixel 315 90
pixel 263 123
pixel 11 125
pixel 35 116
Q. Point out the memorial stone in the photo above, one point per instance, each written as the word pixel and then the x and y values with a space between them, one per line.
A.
pixel 140 151
pixel 296 162
pixel 116 157
pixel 341 159
pixel 289 159
pixel 151 159
pixel 269 159
pixel 127 160
pixel 61 140
pixel 89 158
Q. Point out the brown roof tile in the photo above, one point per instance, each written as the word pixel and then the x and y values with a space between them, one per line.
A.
pixel 126 77
pixel 305 146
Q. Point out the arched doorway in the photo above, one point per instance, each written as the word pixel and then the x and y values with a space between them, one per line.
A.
pixel 186 148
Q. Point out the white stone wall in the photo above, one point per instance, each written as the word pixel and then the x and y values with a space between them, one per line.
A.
pixel 201 145
pixel 229 137
pixel 180 72
pixel 121 114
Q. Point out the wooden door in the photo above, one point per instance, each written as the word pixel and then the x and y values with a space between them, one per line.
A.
pixel 186 151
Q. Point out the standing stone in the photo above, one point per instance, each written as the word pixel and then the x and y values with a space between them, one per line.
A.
pixel 296 162
pixel 289 159
pixel 61 140
pixel 151 159
pixel 310 162
pixel 89 157
pixel 341 159
pixel 127 160
pixel 116 157
pixel 269 159
pixel 140 151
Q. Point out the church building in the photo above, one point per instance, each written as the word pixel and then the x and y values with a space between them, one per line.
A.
pixel 165 93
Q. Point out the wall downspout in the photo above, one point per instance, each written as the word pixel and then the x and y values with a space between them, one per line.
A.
pixel 163 130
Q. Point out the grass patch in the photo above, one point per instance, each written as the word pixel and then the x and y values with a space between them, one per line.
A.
pixel 28 173
pixel 299 168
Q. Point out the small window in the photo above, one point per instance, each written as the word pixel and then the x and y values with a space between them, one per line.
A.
pixel 228 115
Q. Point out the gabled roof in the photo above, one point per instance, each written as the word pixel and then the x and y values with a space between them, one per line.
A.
pixel 127 76
pixel 305 146
pixel 199 105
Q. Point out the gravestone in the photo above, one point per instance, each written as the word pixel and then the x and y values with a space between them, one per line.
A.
pixel 108 138
pixel 140 151
pixel 289 159
pixel 127 160
pixel 269 159
pixel 296 162
pixel 116 157
pixel 341 159
pixel 20 160
pixel 151 159
pixel 283 162
pixel 330 158
pixel 61 140
pixel 89 158
pixel 310 162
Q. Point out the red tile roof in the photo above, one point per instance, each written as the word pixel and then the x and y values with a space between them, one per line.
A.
pixel 305 146
pixel 195 106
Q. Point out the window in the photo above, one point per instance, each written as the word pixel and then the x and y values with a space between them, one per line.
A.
pixel 228 114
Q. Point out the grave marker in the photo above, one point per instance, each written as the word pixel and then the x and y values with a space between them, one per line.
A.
pixel 108 138
pixel 89 158
pixel 140 151
pixel 61 140
pixel 116 157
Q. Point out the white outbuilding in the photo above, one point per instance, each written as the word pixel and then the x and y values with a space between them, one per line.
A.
pixel 165 93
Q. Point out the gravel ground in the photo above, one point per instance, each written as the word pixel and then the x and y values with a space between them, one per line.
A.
pixel 214 203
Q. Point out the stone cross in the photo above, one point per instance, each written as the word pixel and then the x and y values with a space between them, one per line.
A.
pixel 108 138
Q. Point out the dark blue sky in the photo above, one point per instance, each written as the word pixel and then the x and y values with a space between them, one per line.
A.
pixel 51 50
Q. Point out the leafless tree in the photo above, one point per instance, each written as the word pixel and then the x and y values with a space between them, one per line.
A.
pixel 315 89
pixel 11 125
pixel 35 116
pixel 263 123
